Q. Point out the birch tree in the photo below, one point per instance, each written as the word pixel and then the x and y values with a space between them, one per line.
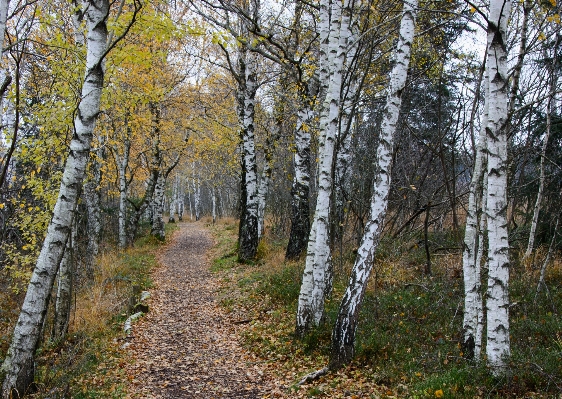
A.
pixel 316 281
pixel 18 366
pixel 248 234
pixel 549 108
pixel 497 303
pixel 473 246
pixel 343 334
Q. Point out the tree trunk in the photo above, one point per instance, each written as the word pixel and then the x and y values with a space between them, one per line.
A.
pixel 473 247
pixel 317 276
pixel 63 302
pixel 265 180
pixel 214 199
pixel 549 106
pixel 300 206
pixel 174 201
pixel 181 200
pixel 122 164
pixel 157 229
pixel 497 303
pixel 92 196
pixel 343 334
pixel 248 229
pixel 196 193
pixel 19 362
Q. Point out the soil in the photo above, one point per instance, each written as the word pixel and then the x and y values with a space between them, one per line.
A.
pixel 186 346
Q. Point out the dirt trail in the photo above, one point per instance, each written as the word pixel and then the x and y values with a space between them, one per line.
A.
pixel 186 347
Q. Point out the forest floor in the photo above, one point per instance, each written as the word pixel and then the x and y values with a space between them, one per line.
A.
pixel 187 346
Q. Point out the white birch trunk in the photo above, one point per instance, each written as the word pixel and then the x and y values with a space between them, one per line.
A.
pixel 181 200
pixel 265 181
pixel 497 303
pixel 317 274
pixel 122 162
pixel 549 106
pixel 157 229
pixel 63 302
pixel 174 201
pixel 214 200
pixel 189 201
pixel 300 213
pixel 472 253
pixel 92 196
pixel 248 231
pixel 343 335
pixel 18 366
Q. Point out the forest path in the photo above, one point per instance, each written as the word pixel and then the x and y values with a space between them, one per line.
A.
pixel 186 347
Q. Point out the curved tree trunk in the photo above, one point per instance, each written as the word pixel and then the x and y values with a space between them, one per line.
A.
pixel 19 362
pixel 343 334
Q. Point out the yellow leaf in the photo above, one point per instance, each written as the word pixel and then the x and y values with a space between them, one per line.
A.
pixel 439 393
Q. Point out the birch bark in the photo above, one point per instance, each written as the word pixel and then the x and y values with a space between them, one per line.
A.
pixel 196 193
pixel 316 282
pixel 549 106
pixel 343 335
pixel 300 206
pixel 214 200
pixel 265 180
pixel 92 196
pixel 122 161
pixel 18 366
pixel 63 302
pixel 497 303
pixel 174 201
pixel 157 229
pixel 473 306
pixel 247 88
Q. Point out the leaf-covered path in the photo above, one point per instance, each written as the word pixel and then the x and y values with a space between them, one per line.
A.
pixel 186 347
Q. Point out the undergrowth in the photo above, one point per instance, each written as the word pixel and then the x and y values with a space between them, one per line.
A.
pixel 408 340
pixel 89 363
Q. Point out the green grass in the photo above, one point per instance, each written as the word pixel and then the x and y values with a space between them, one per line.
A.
pixel 408 339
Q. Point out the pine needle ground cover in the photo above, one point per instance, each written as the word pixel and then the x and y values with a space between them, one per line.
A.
pixel 88 363
pixel 410 330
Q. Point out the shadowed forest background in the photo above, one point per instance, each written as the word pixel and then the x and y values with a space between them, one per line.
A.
pixel 382 179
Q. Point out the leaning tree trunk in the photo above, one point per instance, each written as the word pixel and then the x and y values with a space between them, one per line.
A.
pixel 18 366
pixel 65 283
pixel 549 106
pixel 473 306
pixel 343 335
pixel 317 276
pixel 248 230
pixel 497 303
